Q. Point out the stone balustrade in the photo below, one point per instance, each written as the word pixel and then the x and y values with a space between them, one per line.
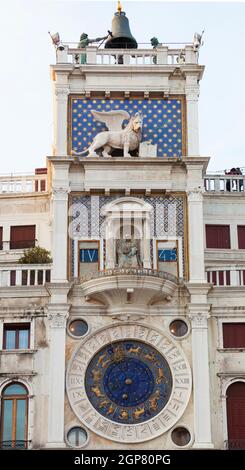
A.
pixel 162 55
pixel 24 274
pixel 229 275
pixel 129 271
pixel 15 183
pixel 224 183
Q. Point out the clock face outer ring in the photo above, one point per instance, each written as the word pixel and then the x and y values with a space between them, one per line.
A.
pixel 130 432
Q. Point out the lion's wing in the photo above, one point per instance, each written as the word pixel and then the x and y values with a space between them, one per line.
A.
pixel 112 119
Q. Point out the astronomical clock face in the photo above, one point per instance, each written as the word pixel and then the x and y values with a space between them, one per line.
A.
pixel 128 383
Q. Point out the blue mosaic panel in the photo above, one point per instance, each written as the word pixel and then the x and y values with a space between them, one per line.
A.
pixel 162 122
pixel 128 382
pixel 89 255
pixel 167 255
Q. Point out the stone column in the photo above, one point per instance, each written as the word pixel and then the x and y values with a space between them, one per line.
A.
pixel 60 120
pixel 196 238
pixel 192 94
pixel 57 316
pixel 201 383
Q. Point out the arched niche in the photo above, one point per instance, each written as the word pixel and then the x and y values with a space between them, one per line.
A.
pixel 123 217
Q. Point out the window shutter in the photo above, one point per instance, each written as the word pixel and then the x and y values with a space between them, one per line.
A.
pixel 234 335
pixel 218 236
pixel 241 236
pixel 22 236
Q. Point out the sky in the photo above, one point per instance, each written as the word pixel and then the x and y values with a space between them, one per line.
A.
pixel 26 119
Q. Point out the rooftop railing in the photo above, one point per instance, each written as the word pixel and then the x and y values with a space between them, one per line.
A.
pixel 224 183
pixel 162 55
pixel 18 183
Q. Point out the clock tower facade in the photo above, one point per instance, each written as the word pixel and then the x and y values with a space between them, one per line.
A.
pixel 128 311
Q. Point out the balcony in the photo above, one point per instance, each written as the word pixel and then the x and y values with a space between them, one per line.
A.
pixel 118 288
pixel 229 275
pixel 23 183
pixel 147 56
pixel 24 275
pixel 14 445
pixel 224 184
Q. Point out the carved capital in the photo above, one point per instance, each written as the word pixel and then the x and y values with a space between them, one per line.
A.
pixel 60 194
pixel 192 93
pixel 195 194
pixel 62 93
pixel 57 319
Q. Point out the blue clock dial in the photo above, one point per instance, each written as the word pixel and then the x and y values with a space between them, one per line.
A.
pixel 128 381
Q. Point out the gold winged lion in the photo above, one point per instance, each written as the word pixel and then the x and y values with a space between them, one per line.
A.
pixel 127 139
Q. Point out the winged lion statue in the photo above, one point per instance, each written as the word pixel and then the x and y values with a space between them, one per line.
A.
pixel 127 139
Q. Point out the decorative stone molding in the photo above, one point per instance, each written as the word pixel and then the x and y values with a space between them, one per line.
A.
pixel 57 319
pixel 60 194
pixel 198 320
pixel 192 93
pixel 62 93
pixel 195 194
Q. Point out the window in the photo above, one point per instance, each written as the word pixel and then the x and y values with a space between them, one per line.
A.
pixel 14 410
pixel 78 328
pixel 1 238
pixel 22 236
pixel 234 335
pixel 77 437
pixel 218 236
pixel 241 236
pixel 178 328
pixel 16 336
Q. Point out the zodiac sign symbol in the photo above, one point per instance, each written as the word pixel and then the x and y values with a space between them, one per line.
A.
pixel 104 403
pixel 101 358
pixel 151 357
pixel 96 375
pixel 118 354
pixel 138 412
pixel 123 414
pixel 104 364
pixel 110 410
pixel 134 350
pixel 161 377
pixel 153 400
pixel 97 392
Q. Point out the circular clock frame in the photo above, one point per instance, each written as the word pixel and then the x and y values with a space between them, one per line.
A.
pixel 133 428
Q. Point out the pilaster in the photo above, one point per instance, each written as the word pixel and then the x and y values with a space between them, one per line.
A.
pixel 60 119
pixel 192 95
pixel 196 237
pixel 57 316
pixel 198 312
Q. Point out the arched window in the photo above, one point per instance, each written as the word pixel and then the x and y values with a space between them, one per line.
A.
pixel 14 414
pixel 236 415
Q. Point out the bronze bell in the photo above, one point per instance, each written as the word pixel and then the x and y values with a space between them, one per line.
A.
pixel 121 34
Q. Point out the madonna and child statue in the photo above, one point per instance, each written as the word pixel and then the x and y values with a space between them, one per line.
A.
pixel 128 253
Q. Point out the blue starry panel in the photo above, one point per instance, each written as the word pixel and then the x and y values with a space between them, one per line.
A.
pixel 162 124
